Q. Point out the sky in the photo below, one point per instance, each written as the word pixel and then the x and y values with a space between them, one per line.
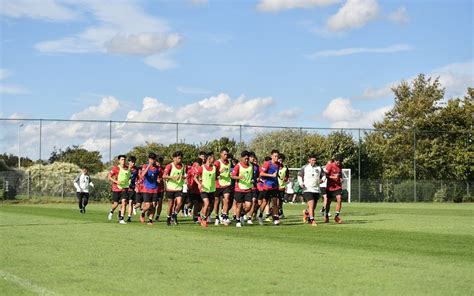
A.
pixel 313 63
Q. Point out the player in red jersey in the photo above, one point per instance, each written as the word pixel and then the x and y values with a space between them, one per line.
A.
pixel 150 175
pixel 132 195
pixel 283 176
pixel 223 187
pixel 119 176
pixel 334 187
pixel 256 174
pixel 269 175
pixel 205 177
pixel 193 188
pixel 174 180
pixel 158 203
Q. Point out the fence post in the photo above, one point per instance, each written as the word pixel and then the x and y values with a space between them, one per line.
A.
pixel 360 147
pixel 110 142
pixel 177 133
pixel 414 165
pixel 28 185
pixel 301 148
pixel 240 136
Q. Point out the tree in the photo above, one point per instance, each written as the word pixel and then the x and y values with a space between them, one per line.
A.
pixel 11 160
pixel 422 130
pixel 80 157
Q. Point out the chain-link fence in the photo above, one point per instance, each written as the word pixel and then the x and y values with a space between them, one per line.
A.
pixel 391 166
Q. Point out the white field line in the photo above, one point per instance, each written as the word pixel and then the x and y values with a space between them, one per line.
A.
pixel 25 284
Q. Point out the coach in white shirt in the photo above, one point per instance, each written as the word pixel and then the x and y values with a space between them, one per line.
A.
pixel 82 183
pixel 310 177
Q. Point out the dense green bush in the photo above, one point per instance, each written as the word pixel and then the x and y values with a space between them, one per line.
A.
pixel 403 192
pixel 102 190
pixel 441 195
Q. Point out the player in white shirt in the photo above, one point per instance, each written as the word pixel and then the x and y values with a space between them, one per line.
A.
pixel 82 183
pixel 310 177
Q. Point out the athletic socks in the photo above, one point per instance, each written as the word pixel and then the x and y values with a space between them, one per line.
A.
pixel 337 214
pixel 323 210
pixel 157 217
pixel 260 215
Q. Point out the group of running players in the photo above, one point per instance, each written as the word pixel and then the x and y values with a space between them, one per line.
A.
pixel 218 186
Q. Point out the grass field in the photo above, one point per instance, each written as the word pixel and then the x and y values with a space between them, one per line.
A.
pixel 395 249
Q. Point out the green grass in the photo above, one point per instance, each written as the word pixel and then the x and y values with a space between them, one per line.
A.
pixel 395 249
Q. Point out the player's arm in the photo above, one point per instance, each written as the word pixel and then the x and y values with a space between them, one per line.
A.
pixel 287 175
pixel 264 169
pixel 300 177
pixel 76 183
pixel 166 173
pixel 235 173
pixel 112 176
pixel 196 177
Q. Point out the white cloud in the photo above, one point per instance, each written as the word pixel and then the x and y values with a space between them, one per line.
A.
pixel 455 77
pixel 292 113
pixel 122 28
pixel 4 73
pixel 280 5
pixel 160 61
pixel 11 89
pixel 95 135
pixel 215 109
pixel 341 114
pixel 104 110
pixel 399 16
pixel 47 10
pixel 359 50
pixel 353 14
pixel 199 2
pixel 142 44
pixel 192 90
pixel 378 93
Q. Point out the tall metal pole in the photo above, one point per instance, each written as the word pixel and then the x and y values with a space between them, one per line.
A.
pixel 177 132
pixel 301 148
pixel 240 135
pixel 19 157
pixel 414 164
pixel 40 131
pixel 110 142
pixel 360 147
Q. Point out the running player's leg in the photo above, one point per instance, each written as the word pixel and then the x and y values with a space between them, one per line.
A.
pixel 275 206
pixel 239 198
pixel 177 207
pixel 115 203
pixel 132 196
pixel 85 201
pixel 328 206
pixel 79 200
pixel 159 206
pixel 216 206
pixel 147 204
pixel 171 196
pixel 205 209
pixel 338 207
pixel 226 204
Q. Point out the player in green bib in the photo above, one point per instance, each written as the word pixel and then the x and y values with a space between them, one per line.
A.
pixel 283 176
pixel 223 187
pixel 120 177
pixel 243 174
pixel 205 177
pixel 174 176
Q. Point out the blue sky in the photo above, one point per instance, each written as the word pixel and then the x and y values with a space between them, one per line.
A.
pixel 324 63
